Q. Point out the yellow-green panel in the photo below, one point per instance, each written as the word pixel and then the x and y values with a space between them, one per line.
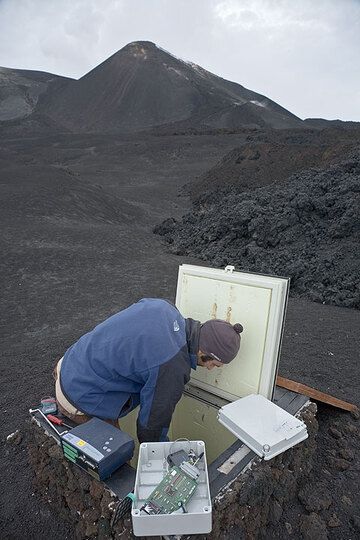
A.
pixel 203 298
pixel 197 421
pixel 193 420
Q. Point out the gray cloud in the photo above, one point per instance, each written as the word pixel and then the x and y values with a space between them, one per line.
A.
pixel 303 54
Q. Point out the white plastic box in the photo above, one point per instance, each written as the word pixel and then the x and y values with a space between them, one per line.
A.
pixel 151 469
pixel 263 426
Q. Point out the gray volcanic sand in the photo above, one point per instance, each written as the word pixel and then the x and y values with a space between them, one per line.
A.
pixel 77 214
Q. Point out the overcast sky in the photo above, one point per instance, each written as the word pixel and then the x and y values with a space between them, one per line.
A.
pixel 304 54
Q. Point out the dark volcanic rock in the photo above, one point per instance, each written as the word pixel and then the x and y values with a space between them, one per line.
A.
pixel 339 464
pixel 313 527
pixel 335 432
pixel 347 453
pixel 315 498
pixel 356 522
pixel 307 228
pixel 334 521
pixel 275 511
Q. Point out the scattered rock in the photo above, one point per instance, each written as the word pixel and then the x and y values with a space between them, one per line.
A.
pixel 347 453
pixel 55 452
pixel 14 438
pixel 91 530
pixel 275 511
pixel 346 500
pixel 350 428
pixel 313 527
pixel 104 529
pixel 355 520
pixel 315 498
pixel 84 481
pixel 80 529
pixel 334 521
pixel 340 464
pixel 288 527
pixel 91 515
pixel 334 432
pixel 96 490
pixel 343 442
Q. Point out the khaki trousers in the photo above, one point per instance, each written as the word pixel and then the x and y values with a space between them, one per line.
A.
pixel 65 407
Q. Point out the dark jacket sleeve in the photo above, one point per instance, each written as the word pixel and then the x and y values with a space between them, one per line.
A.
pixel 159 396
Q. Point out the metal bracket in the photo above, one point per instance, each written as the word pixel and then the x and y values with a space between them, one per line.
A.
pixel 204 396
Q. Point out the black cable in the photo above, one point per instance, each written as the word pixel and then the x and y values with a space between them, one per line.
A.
pixel 198 458
pixel 122 509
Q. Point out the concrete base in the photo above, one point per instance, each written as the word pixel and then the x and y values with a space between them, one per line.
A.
pixel 254 499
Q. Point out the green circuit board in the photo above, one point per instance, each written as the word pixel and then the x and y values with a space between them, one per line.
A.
pixel 173 492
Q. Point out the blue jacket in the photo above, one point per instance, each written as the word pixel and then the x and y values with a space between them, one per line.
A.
pixel 141 355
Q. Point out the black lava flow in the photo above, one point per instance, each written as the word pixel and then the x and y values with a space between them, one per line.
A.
pixel 306 228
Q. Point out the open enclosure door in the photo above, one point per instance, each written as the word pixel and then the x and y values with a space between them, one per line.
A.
pixel 256 301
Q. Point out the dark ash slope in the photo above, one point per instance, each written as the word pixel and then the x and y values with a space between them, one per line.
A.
pixel 266 160
pixel 20 90
pixel 142 86
pixel 307 228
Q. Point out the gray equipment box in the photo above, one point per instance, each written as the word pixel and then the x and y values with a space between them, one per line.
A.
pixel 98 447
pixel 151 469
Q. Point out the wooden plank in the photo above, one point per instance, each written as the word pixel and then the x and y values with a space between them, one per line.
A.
pixel 315 394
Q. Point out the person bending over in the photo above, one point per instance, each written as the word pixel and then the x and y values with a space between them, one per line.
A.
pixel 142 355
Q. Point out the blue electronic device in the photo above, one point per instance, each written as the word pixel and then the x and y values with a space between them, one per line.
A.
pixel 97 447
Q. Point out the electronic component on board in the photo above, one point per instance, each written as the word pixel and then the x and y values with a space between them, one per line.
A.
pixel 177 487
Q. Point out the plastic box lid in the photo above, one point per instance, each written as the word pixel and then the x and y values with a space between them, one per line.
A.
pixel 261 425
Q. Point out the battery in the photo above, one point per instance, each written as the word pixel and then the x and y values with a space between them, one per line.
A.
pixel 48 405
pixel 97 447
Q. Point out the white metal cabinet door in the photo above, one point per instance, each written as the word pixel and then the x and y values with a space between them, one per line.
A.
pixel 258 302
